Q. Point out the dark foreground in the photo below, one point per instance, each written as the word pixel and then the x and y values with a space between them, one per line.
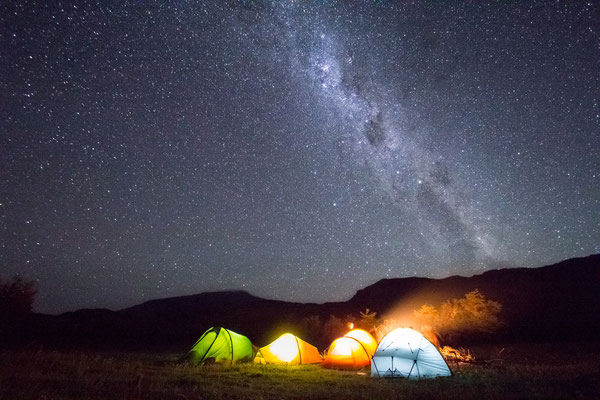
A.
pixel 512 372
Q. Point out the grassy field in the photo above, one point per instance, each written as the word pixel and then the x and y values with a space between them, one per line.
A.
pixel 524 372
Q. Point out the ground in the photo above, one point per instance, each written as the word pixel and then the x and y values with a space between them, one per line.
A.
pixel 513 372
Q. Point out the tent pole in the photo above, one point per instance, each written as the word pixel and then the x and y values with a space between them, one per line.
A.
pixel 376 369
pixel 217 332
pixel 298 345
pixel 230 344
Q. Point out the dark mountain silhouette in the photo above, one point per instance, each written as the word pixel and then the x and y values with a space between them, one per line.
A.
pixel 559 302
pixel 555 302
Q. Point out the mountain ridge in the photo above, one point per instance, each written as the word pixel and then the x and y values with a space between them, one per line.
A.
pixel 554 302
pixel 242 291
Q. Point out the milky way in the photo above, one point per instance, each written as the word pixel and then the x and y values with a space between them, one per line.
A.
pixel 417 181
pixel 296 150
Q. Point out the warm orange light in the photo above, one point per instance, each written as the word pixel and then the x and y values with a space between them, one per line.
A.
pixel 457 355
pixel 346 353
pixel 344 346
pixel 365 338
pixel 350 326
pixel 285 348
pixel 289 349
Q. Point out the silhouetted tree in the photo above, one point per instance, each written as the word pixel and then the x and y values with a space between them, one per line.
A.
pixel 334 327
pixel 369 321
pixel 311 328
pixel 16 297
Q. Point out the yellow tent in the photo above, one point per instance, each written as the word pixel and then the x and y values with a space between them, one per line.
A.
pixel 288 349
pixel 365 338
pixel 353 350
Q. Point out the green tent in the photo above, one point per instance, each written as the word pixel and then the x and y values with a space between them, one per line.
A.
pixel 221 345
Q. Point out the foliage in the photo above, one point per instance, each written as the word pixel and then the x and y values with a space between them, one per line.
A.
pixel 377 326
pixel 16 297
pixel 321 332
pixel 369 321
pixel 334 327
pixel 457 355
pixel 312 323
pixel 310 329
pixel 471 314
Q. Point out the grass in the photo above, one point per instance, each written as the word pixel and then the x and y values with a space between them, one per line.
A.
pixel 523 372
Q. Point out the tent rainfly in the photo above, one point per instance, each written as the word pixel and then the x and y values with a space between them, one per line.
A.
pixel 352 351
pixel 405 353
pixel 288 349
pixel 221 345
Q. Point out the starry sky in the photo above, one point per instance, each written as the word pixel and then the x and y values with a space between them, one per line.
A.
pixel 299 150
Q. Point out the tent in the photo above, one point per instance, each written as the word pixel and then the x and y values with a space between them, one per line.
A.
pixel 221 345
pixel 351 351
pixel 288 349
pixel 405 353
pixel 365 338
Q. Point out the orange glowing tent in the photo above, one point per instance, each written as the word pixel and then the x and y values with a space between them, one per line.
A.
pixel 351 351
pixel 288 349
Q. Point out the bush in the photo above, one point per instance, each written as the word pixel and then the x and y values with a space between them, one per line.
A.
pixel 471 314
pixel 16 297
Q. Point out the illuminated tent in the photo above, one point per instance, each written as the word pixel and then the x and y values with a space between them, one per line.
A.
pixel 405 353
pixel 288 349
pixel 352 351
pixel 221 345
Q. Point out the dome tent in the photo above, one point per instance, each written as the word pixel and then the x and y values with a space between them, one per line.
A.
pixel 365 338
pixel 405 353
pixel 288 349
pixel 351 351
pixel 221 345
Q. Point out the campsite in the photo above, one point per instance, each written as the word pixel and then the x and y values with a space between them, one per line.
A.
pixel 293 353
pixel 524 372
pixel 299 199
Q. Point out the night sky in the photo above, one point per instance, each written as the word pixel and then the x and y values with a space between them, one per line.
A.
pixel 297 150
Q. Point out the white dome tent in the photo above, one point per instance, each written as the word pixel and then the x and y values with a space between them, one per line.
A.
pixel 405 353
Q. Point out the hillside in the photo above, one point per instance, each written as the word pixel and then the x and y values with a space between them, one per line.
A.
pixel 549 303
pixel 553 303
